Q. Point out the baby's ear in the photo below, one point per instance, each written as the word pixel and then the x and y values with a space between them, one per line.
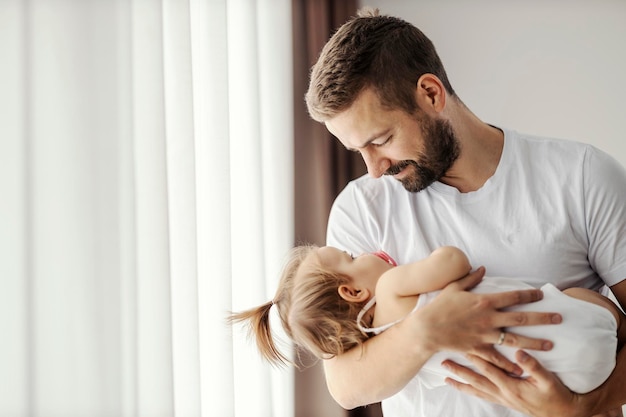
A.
pixel 353 294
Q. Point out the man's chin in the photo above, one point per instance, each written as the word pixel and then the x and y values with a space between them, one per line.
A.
pixel 411 184
pixel 411 179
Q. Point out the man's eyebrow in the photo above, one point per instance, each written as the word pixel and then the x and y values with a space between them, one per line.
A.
pixel 370 140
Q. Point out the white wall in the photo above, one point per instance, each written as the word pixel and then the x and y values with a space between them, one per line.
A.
pixel 555 68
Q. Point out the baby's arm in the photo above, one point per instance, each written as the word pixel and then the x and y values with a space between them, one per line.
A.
pixel 444 265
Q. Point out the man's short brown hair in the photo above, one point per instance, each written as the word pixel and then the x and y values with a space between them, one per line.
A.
pixel 385 53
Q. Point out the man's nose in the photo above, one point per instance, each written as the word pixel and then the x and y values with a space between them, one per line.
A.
pixel 376 164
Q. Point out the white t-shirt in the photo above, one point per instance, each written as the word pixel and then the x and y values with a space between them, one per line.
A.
pixel 554 210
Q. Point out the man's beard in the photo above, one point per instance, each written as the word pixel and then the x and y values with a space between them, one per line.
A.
pixel 441 149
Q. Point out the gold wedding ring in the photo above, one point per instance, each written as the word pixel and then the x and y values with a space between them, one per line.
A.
pixel 501 338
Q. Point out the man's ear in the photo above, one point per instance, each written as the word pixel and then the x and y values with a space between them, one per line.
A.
pixel 430 94
pixel 353 294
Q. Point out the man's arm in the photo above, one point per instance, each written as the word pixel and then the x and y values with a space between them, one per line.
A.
pixel 454 320
pixel 611 394
pixel 542 394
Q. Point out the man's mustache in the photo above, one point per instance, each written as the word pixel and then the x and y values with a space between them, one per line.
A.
pixel 395 169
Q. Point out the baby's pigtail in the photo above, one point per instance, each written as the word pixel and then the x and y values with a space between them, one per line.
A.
pixel 258 322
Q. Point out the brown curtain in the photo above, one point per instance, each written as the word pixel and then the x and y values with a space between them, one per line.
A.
pixel 322 168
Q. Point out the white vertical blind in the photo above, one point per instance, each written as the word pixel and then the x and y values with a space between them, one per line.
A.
pixel 246 197
pixel 257 183
pixel 14 358
pixel 152 365
pixel 182 204
pixel 275 100
pixel 211 109
pixel 146 165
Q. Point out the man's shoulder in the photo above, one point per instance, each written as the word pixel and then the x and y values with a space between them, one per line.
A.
pixel 541 142
pixel 537 149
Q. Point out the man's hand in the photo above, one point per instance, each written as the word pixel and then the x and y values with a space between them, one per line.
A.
pixel 540 394
pixel 471 323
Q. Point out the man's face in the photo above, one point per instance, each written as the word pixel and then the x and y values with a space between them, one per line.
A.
pixel 416 149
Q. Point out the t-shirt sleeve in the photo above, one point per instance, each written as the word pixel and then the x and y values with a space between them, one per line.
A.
pixel 605 212
pixel 350 223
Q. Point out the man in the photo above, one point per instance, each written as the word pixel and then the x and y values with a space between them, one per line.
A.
pixel 519 205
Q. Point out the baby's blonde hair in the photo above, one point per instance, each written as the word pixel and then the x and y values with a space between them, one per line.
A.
pixel 312 312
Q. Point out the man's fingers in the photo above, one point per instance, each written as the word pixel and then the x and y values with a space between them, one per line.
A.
pixel 531 366
pixel 492 373
pixel 491 355
pixel 469 389
pixel 475 384
pixel 503 300
pixel 540 393
pixel 526 318
pixel 523 342
pixel 511 298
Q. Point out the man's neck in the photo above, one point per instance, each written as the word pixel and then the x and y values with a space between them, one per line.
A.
pixel 481 149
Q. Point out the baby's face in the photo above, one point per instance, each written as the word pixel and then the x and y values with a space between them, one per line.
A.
pixel 364 269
